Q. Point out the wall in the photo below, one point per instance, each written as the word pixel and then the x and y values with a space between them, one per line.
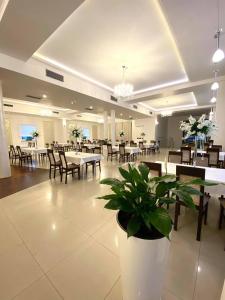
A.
pixel 146 125
pixel 219 136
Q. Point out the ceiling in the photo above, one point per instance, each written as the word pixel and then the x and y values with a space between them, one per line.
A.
pixel 101 36
pixel 17 86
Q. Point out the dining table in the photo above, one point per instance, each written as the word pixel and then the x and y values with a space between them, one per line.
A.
pixel 80 158
pixel 128 149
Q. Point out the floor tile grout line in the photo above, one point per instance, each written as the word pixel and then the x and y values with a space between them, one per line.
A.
pixel 34 258
pixel 117 280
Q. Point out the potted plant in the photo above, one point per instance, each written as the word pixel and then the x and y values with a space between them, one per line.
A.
pixel 75 133
pixel 35 135
pixel 145 226
pixel 142 135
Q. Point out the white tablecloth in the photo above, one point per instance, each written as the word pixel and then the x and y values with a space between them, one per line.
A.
pixel 221 154
pixel 33 150
pixel 80 158
pixel 211 174
pixel 91 146
pixel 131 150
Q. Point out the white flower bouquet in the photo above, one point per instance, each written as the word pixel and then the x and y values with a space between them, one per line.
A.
pixel 122 133
pixel 198 128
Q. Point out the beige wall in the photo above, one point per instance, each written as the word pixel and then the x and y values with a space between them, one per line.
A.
pixel 146 125
pixel 220 116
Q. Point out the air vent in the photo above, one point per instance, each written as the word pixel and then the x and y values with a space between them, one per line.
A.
pixel 135 106
pixel 54 75
pixel 8 105
pixel 113 98
pixel 150 112
pixel 33 97
pixel 55 112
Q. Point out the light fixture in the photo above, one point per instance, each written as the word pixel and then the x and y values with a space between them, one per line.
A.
pixel 218 55
pixel 166 113
pixel 211 114
pixel 91 107
pixel 44 96
pixel 215 86
pixel 123 89
pixel 213 99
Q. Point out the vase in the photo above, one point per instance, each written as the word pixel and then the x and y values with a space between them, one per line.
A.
pixel 143 265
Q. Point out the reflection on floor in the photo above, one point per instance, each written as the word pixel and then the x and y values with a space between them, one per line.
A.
pixel 58 242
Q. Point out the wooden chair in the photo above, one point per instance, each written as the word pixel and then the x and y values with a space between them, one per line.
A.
pixel 214 154
pixel 13 154
pixel 222 212
pixel 174 157
pixel 206 146
pixel 123 155
pixel 185 155
pixel 220 147
pixel 201 202
pixel 54 165
pixel 133 144
pixel 110 152
pixel 23 157
pixel 67 168
pixel 142 148
pixel 202 160
pixel 155 168
pixel 84 149
pixel 95 163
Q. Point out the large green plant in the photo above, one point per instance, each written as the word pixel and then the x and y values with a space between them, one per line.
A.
pixel 144 197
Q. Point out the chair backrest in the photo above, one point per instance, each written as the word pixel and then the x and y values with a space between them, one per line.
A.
pixel 185 154
pixel 97 150
pixel 84 149
pixel 141 145
pixel 109 148
pixel 220 147
pixel 213 156
pixel 12 149
pixel 185 174
pixel 51 156
pixel 174 157
pixel 211 143
pixel 62 158
pixel 19 150
pixel 206 146
pixel 155 168
pixel 202 159
pixel 47 145
pixel 122 149
pixel 133 144
pixel 30 144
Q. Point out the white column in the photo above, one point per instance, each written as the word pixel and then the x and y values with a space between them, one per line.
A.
pixel 5 170
pixel 219 136
pixel 105 116
pixel 113 127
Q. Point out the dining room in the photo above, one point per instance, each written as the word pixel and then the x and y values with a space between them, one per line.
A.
pixel 112 150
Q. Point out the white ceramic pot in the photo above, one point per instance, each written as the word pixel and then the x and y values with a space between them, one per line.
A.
pixel 142 265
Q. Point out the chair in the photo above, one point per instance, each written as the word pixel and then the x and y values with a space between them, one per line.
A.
pixel 202 160
pixel 213 157
pixel 185 155
pixel 206 146
pixel 143 148
pixel 211 143
pixel 155 168
pixel 123 155
pixel 84 149
pixel 23 157
pixel 222 212
pixel 220 147
pixel 67 168
pixel 201 202
pixel 133 144
pixel 47 145
pixel 55 165
pixel 110 152
pixel 95 163
pixel 13 154
pixel 174 157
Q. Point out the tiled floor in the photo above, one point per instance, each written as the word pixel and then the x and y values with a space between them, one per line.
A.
pixel 58 242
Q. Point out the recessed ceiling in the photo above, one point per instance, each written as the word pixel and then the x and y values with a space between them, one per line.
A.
pixel 101 36
pixel 172 102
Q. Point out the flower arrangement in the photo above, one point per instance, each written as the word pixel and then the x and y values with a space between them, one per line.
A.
pixel 35 134
pixel 76 132
pixel 122 133
pixel 201 127
pixel 143 134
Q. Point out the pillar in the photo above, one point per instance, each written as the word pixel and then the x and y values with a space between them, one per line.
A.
pixel 113 127
pixel 5 170
pixel 219 136
pixel 105 133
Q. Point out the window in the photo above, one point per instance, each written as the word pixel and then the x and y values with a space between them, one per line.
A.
pixel 26 132
pixel 86 133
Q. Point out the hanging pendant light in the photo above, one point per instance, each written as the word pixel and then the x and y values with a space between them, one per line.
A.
pixel 215 84
pixel 218 55
pixel 213 99
pixel 123 89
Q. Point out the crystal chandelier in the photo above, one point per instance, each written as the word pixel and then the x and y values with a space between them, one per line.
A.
pixel 123 89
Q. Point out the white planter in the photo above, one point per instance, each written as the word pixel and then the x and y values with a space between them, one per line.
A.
pixel 142 265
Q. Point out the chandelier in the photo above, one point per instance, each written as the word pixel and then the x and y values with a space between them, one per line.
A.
pixel 123 89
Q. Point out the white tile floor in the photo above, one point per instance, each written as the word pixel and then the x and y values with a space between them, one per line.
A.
pixel 58 242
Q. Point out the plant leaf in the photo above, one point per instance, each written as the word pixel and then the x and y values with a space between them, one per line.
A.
pixel 161 220
pixel 144 170
pixel 113 204
pixel 185 197
pixel 133 226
